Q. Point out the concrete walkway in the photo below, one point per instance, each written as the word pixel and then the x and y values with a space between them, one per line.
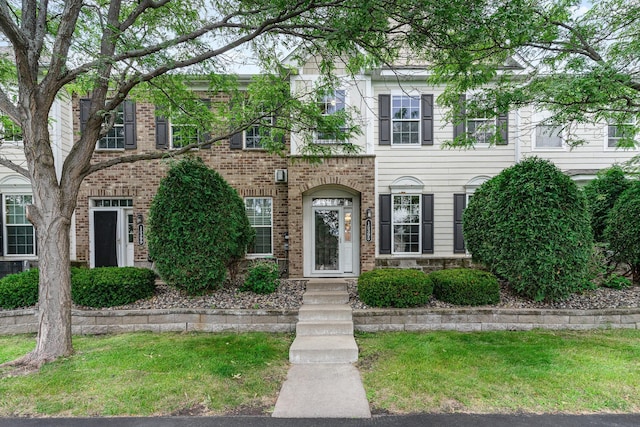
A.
pixel 322 381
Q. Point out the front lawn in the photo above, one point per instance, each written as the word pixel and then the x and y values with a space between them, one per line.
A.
pixel 149 374
pixel 486 372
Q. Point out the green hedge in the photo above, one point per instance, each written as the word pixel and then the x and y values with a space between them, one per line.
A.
pixel 98 287
pixel 19 290
pixel 464 286
pixel 394 288
pixel 111 286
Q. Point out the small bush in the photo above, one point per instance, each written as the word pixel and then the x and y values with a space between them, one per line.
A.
pixel 111 286
pixel 464 286
pixel 262 277
pixel 601 194
pixel 616 281
pixel 19 290
pixel 394 288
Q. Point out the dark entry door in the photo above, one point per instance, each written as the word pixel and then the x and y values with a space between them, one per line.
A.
pixel 105 225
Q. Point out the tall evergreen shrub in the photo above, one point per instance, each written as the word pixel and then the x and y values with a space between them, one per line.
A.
pixel 197 227
pixel 623 229
pixel 602 194
pixel 530 225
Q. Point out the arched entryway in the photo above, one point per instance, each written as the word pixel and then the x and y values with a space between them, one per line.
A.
pixel 331 232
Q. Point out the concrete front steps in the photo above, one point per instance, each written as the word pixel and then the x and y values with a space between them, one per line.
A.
pixel 324 332
pixel 323 382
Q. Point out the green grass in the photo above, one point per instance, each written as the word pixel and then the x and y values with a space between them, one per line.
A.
pixel 149 374
pixel 538 371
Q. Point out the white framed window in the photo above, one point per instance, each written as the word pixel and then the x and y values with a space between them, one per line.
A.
pixel 405 220
pixel 254 134
pixel 260 213
pixel 481 129
pixel 114 140
pixel 330 104
pixel 19 233
pixel 183 134
pixel 548 136
pixel 617 132
pixel 10 132
pixel 405 116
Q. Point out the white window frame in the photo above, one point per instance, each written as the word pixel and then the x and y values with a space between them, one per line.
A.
pixel 15 130
pixel 410 224
pixel 413 97
pixel 172 125
pixel 550 128
pixel 270 226
pixel 265 122
pixel 607 138
pixel 116 133
pixel 6 225
pixel 330 104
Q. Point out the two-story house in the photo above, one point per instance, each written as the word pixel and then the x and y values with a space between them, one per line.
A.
pixel 397 202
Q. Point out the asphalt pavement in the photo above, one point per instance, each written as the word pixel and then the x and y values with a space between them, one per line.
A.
pixel 419 420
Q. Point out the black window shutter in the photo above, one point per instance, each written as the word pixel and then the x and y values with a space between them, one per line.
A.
pixel 162 133
pixel 85 104
pixel 459 204
pixel 385 224
pixel 460 128
pixel 235 142
pixel 384 119
pixel 130 140
pixel 427 119
pixel 205 136
pixel 427 223
pixel 502 124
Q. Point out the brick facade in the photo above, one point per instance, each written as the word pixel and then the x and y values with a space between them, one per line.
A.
pixel 250 172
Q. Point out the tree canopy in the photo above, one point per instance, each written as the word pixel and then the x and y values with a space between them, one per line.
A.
pixel 582 60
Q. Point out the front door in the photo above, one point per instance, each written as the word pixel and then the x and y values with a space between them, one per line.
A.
pixel 332 236
pixel 112 225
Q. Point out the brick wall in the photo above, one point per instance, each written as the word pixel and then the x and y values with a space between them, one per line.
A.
pixel 347 172
pixel 250 172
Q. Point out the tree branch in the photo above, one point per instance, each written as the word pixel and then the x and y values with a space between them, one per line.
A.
pixel 18 169
pixel 9 27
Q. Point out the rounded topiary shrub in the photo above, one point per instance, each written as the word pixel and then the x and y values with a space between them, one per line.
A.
pixel 465 286
pixel 262 277
pixel 111 286
pixel 623 229
pixel 601 194
pixel 530 225
pixel 19 290
pixel 197 227
pixel 394 288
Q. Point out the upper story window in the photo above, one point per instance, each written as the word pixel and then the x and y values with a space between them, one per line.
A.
pixel 617 133
pixel 254 134
pixel 260 214
pixel 179 132
pixel 114 140
pixel 10 132
pixel 122 133
pixel 405 113
pixel 183 135
pixel 332 104
pixel 548 136
pixel 482 128
pixel 19 233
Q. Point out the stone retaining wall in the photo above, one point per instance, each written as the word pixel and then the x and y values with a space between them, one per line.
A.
pixel 209 320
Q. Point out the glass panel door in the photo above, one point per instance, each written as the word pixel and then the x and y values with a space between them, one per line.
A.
pixel 327 230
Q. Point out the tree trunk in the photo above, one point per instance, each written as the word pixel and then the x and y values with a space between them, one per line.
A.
pixel 54 298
